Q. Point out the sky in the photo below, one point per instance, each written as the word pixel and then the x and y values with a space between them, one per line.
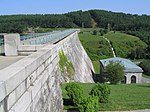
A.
pixel 10 7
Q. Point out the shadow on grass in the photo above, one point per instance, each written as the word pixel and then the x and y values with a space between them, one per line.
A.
pixel 96 77
pixel 68 102
pixel 70 105
pixel 147 86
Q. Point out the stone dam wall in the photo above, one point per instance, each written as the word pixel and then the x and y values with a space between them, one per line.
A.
pixel 33 83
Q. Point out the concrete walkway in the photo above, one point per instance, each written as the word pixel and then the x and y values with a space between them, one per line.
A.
pixel 6 61
pixel 112 49
pixel 145 80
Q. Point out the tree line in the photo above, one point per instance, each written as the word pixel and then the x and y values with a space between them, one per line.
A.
pixel 87 19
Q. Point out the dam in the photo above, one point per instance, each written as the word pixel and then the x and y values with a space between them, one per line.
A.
pixel 32 79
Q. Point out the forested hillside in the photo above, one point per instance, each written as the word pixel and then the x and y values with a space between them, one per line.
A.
pixel 87 19
pixel 137 25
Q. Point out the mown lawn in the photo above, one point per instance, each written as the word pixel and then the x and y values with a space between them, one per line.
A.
pixel 122 97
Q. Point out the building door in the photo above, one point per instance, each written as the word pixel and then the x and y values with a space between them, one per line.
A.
pixel 133 79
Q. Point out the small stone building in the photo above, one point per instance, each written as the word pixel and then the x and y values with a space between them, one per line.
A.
pixel 133 73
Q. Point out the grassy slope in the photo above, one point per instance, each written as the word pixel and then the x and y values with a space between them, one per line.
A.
pixel 96 47
pixel 124 43
pixel 122 97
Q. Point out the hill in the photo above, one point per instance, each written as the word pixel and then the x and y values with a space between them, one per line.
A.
pixel 126 46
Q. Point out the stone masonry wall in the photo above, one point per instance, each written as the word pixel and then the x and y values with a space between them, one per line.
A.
pixel 77 55
pixel 33 83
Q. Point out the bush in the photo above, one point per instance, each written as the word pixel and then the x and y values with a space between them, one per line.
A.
pixel 102 91
pixel 75 92
pixel 89 104
pixel 94 32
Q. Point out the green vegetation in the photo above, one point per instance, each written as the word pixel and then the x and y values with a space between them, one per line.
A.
pixel 127 46
pixel 122 97
pixel 137 25
pixel 74 91
pixel 114 73
pixel 96 65
pixel 84 104
pixel 89 104
pixel 145 65
pixel 95 46
pixel 66 66
pixel 146 76
pixel 102 91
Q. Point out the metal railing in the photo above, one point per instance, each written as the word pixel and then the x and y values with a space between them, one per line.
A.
pixel 44 37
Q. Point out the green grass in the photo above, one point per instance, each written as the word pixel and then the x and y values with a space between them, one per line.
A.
pixel 122 97
pixel 124 43
pixel 96 47
pixel 96 65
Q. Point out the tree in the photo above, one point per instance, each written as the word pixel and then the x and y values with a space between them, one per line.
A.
pixel 145 65
pixel 114 72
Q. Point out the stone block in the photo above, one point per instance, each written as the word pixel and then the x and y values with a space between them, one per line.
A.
pixel 15 80
pixel 11 100
pixel 39 47
pixel 11 42
pixel 23 103
pixel 2 107
pixel 20 90
pixel 26 48
pixel 2 91
pixel 44 76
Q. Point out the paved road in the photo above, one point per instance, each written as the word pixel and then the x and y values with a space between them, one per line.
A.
pixel 145 80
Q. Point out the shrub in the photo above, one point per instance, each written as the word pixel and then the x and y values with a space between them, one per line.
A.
pixel 89 104
pixel 94 32
pixel 102 91
pixel 75 92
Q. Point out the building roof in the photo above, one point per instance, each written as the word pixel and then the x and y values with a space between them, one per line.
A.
pixel 129 65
